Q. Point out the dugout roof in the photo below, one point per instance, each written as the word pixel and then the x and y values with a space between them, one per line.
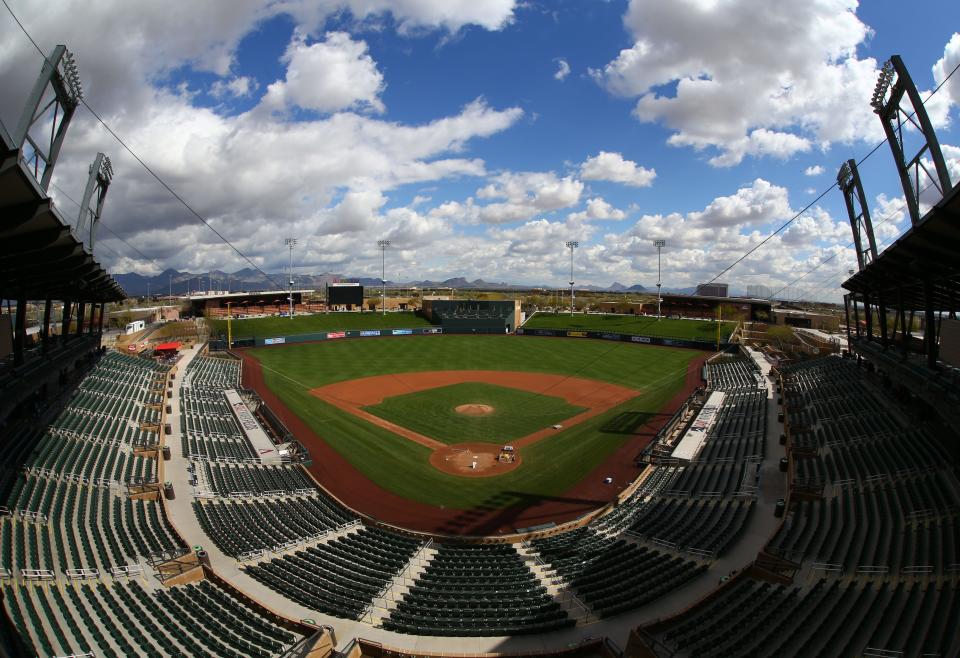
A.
pixel 929 250
pixel 40 257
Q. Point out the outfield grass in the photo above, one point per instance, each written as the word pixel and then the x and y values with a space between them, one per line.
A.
pixel 433 412
pixel 549 467
pixel 308 324
pixel 629 324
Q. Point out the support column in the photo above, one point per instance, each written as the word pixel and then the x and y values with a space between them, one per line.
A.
pixel 930 325
pixel 20 331
pixel 65 325
pixel 45 330
pixel 93 309
pixel 846 310
pixel 868 311
pixel 103 308
pixel 81 308
pixel 882 316
pixel 856 313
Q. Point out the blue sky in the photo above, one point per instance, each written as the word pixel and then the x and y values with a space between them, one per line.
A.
pixel 478 137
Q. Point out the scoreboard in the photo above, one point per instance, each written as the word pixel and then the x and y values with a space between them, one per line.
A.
pixel 339 294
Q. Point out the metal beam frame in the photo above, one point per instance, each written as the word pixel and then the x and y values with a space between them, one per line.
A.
pixel 895 119
pixel 59 75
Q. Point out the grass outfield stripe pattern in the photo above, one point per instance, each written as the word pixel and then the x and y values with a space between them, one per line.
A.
pixel 630 324
pixel 549 467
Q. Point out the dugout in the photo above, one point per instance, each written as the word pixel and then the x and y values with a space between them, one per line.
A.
pixel 474 315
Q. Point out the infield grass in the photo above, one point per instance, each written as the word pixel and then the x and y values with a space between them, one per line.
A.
pixel 308 324
pixel 433 412
pixel 705 330
pixel 549 467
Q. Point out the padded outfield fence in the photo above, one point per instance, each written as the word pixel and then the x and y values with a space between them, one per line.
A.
pixel 258 341
pixel 627 338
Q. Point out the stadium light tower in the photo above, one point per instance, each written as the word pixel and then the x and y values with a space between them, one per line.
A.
pixel 659 244
pixel 291 243
pixel 571 245
pixel 383 244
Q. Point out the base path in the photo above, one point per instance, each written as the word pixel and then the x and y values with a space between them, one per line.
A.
pixel 345 482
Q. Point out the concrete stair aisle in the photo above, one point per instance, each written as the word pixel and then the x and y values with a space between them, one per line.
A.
pixel 381 606
pixel 557 587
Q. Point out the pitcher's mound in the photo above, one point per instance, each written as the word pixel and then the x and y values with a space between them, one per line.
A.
pixel 474 409
pixel 471 460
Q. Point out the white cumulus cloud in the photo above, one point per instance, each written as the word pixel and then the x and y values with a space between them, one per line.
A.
pixel 610 166
pixel 792 79
pixel 328 76
pixel 563 69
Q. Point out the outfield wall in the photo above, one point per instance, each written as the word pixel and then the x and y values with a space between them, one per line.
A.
pixel 461 330
pixel 626 338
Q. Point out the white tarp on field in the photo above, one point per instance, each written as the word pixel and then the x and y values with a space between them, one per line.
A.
pixel 694 438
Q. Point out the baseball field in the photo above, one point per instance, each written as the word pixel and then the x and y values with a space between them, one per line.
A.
pixel 421 418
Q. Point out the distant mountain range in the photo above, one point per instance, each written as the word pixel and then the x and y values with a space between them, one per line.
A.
pixel 179 283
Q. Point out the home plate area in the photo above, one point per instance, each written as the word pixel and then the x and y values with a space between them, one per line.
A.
pixel 473 460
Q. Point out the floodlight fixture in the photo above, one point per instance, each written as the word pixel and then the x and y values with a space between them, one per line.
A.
pixel 659 244
pixel 383 244
pixel 291 243
pixel 571 245
pixel 883 84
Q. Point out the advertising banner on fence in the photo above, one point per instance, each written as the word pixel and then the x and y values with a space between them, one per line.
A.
pixel 433 330
pixel 274 341
pixel 402 332
pixel 577 334
pixel 640 339
pixel 336 334
pixel 374 332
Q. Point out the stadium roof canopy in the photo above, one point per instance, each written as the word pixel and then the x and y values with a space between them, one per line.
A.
pixel 40 257
pixel 924 261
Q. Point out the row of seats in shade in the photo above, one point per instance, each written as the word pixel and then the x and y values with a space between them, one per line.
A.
pixel 477 590
pixel 882 530
pixel 831 617
pixel 123 619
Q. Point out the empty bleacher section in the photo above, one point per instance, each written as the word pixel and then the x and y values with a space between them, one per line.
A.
pixel 75 544
pixel 885 498
pixel 239 528
pixel 866 561
pixel 732 374
pixel 476 590
pixel 69 508
pixel 701 503
pixel 209 430
pixel 341 577
pixel 225 480
pixel 831 617
pixel 613 575
pixel 121 619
